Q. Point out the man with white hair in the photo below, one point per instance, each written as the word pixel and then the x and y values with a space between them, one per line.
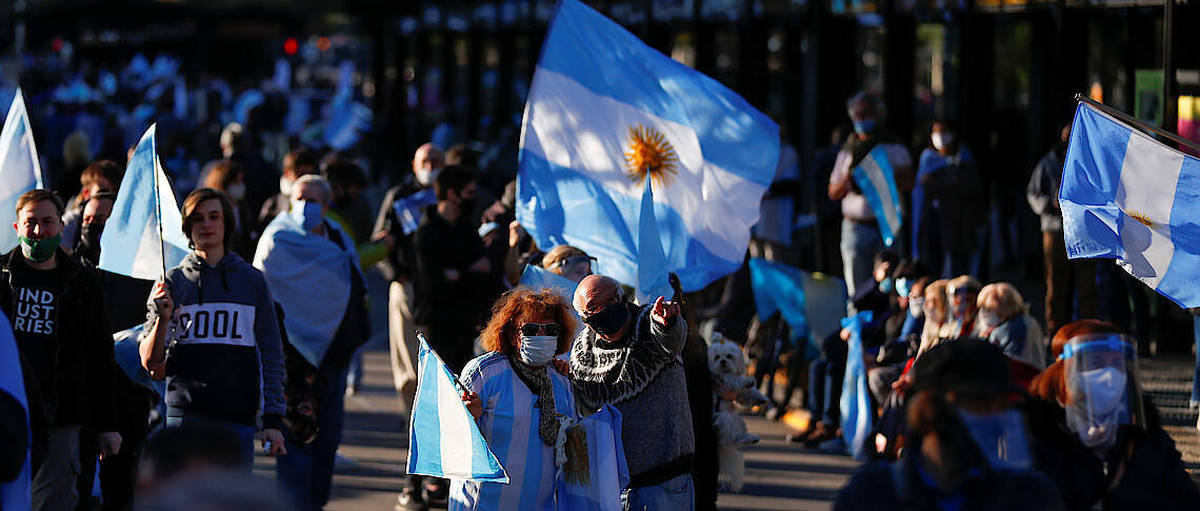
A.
pixel 860 230
pixel 312 269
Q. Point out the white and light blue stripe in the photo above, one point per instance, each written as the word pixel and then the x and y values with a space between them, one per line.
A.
pixel 876 179
pixel 17 493
pixel 20 170
pixel 130 244
pixel 444 440
pixel 594 82
pixel 510 425
pixel 1114 174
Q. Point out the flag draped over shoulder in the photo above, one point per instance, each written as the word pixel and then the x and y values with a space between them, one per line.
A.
pixel 130 244
pixel 857 411
pixel 604 112
pixel 876 178
pixel 20 170
pixel 607 471
pixel 15 494
pixel 444 440
pixel 297 263
pixel 1127 196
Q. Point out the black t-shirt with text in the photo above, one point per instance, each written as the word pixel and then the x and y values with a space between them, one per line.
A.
pixel 35 295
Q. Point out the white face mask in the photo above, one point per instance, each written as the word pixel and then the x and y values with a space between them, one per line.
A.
pixel 237 191
pixel 916 306
pixel 285 186
pixel 990 319
pixel 426 177
pixel 941 140
pixel 537 350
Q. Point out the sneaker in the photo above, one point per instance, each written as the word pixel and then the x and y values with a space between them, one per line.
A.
pixel 799 438
pixel 410 500
pixel 823 433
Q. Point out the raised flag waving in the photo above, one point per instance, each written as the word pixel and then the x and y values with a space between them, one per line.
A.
pixel 876 178
pixel 20 170
pixel 1127 196
pixel 444 440
pixel 146 234
pixel 605 112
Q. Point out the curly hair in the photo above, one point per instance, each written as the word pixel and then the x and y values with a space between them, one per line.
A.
pixel 501 333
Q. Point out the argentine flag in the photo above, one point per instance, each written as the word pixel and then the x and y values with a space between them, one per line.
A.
pixel 877 180
pixel 443 439
pixel 20 170
pixel 15 493
pixel 1127 196
pixel 130 244
pixel 605 112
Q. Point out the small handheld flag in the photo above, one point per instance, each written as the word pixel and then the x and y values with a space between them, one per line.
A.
pixel 20 170
pixel 857 411
pixel 877 180
pixel 1126 196
pixel 148 238
pixel 444 440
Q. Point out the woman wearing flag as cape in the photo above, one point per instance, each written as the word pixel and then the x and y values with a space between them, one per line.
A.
pixel 520 402
pixel 220 348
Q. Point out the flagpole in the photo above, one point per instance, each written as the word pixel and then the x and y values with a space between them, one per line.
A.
pixel 1128 119
pixel 162 249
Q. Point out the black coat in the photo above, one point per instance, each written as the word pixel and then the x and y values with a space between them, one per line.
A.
pixel 883 486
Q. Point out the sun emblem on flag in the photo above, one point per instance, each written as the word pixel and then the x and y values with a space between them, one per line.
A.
pixel 650 153
pixel 1140 217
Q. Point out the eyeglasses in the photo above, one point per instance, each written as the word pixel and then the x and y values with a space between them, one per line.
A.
pixel 570 261
pixel 533 329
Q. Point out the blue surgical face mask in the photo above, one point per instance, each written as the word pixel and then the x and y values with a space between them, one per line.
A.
pixel 1001 437
pixel 306 213
pixel 1105 389
pixel 903 287
pixel 864 126
pixel 886 285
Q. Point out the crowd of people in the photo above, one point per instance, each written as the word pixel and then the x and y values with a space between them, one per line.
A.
pixel 257 335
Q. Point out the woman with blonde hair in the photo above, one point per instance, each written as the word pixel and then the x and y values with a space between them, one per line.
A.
pixel 519 400
pixel 937 314
pixel 1004 320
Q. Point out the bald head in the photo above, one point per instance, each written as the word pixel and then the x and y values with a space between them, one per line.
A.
pixel 594 293
pixel 428 157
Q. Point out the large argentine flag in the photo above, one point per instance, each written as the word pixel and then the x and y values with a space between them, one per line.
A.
pixel 130 244
pixel 604 107
pixel 1126 196
pixel 877 180
pixel 443 439
pixel 20 170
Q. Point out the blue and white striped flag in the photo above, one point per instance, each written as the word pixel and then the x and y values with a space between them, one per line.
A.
pixel 15 493
pixel 652 275
pixel 605 111
pixel 130 244
pixel 1126 196
pixel 857 411
pixel 443 439
pixel 876 179
pixel 20 170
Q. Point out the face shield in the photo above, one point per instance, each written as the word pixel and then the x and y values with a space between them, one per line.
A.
pixel 1102 387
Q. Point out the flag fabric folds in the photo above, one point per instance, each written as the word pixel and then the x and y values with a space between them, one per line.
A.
pixel 20 170
pixel 16 493
pixel 1127 196
pixel 604 112
pixel 129 359
pixel 536 277
pixel 130 244
pixel 876 179
pixel 409 209
pixel 857 411
pixel 444 440
pixel 608 472
pixel 652 281
pixel 780 288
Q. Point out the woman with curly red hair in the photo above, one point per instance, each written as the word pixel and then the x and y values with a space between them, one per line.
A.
pixel 518 399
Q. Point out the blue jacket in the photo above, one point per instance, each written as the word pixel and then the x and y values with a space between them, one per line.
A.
pixel 226 358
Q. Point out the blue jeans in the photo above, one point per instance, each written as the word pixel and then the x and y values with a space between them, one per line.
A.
pixel 860 241
pixel 306 471
pixel 677 494
pixel 245 434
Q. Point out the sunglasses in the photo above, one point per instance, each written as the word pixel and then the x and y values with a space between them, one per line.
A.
pixel 534 329
pixel 579 259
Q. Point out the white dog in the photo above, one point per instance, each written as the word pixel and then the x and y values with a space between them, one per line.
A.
pixel 733 390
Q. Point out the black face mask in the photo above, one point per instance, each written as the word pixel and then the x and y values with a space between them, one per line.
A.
pixel 609 320
pixel 467 206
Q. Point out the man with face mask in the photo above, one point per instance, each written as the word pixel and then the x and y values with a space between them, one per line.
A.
pixel 296 164
pixel 313 270
pixel 962 293
pixel 629 357
pixel 860 231
pixel 56 308
pixel 967 445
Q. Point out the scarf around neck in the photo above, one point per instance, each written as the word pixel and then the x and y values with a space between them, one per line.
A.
pixel 538 381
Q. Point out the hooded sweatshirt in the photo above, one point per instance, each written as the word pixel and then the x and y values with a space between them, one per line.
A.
pixel 224 355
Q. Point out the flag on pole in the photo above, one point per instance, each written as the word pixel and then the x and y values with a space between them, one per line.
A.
pixel 1127 196
pixel 604 112
pixel 443 439
pixel 145 208
pixel 20 170
pixel 877 180
pixel 780 288
pixel 857 411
